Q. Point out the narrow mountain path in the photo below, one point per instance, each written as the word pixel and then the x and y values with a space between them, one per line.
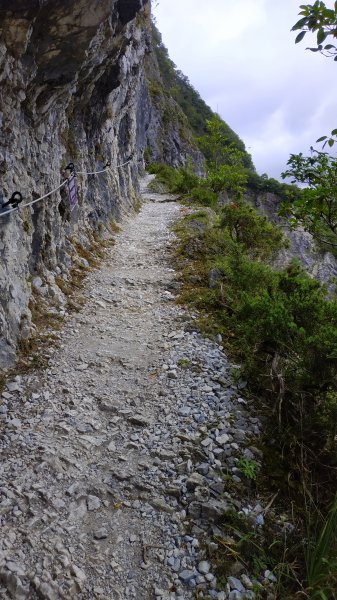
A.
pixel 113 459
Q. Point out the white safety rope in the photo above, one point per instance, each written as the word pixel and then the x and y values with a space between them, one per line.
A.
pixel 107 168
pixel 92 172
pixel 36 199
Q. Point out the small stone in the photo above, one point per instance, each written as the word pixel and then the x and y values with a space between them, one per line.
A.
pixel 186 575
pixel 235 584
pixel 222 439
pixel 15 568
pixel 93 503
pixel 242 401
pixel 101 304
pixel 37 282
pixel 161 505
pixel 101 534
pixel 270 576
pixel 203 468
pixel 79 574
pixel 133 538
pixel 81 367
pixel 84 427
pixel 246 581
pixel 204 567
pixel 259 520
pixel 207 442
pixel 194 480
pixel 13 386
pixel 172 374
pixel 15 423
pixel 140 420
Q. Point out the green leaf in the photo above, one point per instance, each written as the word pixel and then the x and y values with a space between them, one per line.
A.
pixel 321 139
pixel 329 47
pixel 335 57
pixel 313 49
pixel 331 142
pixel 300 37
pixel 321 35
pixel 334 132
pixel 299 24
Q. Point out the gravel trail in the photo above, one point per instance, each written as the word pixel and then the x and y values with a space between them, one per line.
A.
pixel 113 458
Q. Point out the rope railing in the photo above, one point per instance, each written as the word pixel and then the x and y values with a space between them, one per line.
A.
pixel 7 212
pixel 16 199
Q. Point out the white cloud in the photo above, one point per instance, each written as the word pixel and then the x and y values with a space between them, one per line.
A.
pixel 240 55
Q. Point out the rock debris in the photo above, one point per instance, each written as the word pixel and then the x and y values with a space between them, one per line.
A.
pixel 113 459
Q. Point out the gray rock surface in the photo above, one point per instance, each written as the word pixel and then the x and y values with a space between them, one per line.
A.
pixel 73 89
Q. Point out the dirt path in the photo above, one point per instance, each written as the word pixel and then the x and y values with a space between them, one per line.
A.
pixel 102 468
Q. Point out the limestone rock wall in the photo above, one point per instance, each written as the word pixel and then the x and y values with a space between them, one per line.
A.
pixel 72 89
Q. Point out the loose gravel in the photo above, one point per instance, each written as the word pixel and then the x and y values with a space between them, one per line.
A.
pixel 115 459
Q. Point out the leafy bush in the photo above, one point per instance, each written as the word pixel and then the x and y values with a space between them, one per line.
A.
pixel 281 325
pixel 181 180
pixel 204 196
pixel 227 178
pixel 316 208
pixel 164 174
pixel 282 328
pixel 245 226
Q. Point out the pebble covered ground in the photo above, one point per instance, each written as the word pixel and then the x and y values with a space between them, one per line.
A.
pixel 113 459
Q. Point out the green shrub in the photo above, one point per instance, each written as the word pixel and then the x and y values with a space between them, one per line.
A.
pixel 245 226
pixel 204 196
pixel 281 326
pixel 165 174
pixel 181 180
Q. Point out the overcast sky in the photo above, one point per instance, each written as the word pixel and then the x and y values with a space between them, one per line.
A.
pixel 241 57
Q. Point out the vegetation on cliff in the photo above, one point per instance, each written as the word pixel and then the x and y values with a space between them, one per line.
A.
pixel 281 325
pixel 219 144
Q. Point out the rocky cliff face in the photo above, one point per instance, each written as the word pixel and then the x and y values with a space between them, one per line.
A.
pixel 73 89
pixel 319 263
